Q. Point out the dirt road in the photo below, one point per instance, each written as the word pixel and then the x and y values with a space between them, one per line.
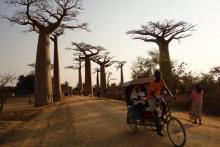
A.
pixel 86 122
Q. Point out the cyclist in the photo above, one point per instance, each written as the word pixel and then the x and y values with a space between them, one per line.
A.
pixel 154 92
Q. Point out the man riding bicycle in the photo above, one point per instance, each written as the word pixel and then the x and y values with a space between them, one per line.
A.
pixel 154 94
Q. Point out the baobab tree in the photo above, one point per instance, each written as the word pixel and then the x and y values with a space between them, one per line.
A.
pixel 103 60
pixel 97 70
pixel 87 51
pixel 57 93
pixel 79 68
pixel 162 33
pixel 120 65
pixel 44 16
pixel 109 79
pixel 56 72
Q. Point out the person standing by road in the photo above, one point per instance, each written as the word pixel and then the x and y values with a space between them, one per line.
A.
pixel 196 101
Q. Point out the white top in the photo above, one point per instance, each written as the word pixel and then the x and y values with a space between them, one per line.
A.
pixel 134 95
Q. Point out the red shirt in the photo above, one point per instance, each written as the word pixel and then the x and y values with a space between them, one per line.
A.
pixel 155 87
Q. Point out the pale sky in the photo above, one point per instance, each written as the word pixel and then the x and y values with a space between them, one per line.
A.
pixel 109 20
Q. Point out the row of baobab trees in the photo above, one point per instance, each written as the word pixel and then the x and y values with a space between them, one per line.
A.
pixel 51 18
pixel 86 53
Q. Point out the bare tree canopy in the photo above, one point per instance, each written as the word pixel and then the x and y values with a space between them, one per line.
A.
pixel 85 50
pixel 44 14
pixel 166 29
pixel 120 64
pixel 6 78
pixel 162 33
pixel 34 65
pixel 104 59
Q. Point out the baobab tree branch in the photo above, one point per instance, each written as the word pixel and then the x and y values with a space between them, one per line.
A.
pixel 168 30
pixel 104 58
pixel 38 13
pixel 119 64
pixel 109 64
pixel 83 26
pixel 145 39
pixel 184 29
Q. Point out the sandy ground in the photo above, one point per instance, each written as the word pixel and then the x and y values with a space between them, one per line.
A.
pixel 86 122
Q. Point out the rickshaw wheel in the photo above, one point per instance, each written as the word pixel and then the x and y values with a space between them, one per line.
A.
pixel 132 125
pixel 176 132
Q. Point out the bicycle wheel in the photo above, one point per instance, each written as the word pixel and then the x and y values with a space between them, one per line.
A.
pixel 176 132
pixel 132 125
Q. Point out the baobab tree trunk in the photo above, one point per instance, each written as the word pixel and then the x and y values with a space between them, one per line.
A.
pixel 97 80
pixel 103 79
pixel 43 84
pixel 56 73
pixel 165 63
pixel 88 79
pixel 80 79
pixel 122 76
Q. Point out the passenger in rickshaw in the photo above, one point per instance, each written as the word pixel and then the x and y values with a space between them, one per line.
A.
pixel 138 100
pixel 154 93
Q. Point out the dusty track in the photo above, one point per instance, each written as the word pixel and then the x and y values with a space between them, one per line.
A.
pixel 97 123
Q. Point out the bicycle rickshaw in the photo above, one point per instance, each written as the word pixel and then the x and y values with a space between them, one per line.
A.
pixel 169 123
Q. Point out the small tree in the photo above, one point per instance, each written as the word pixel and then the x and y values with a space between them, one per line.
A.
pixel 25 84
pixel 215 72
pixel 162 33
pixel 4 80
pixel 45 17
pixel 144 67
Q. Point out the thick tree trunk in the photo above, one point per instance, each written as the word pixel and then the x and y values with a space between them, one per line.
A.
pixel 80 79
pixel 122 76
pixel 103 79
pixel 165 63
pixel 43 84
pixel 97 80
pixel 88 79
pixel 56 73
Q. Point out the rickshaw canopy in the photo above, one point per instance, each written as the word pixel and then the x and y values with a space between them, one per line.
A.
pixel 138 82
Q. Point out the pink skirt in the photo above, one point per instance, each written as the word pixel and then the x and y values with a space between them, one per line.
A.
pixel 196 111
